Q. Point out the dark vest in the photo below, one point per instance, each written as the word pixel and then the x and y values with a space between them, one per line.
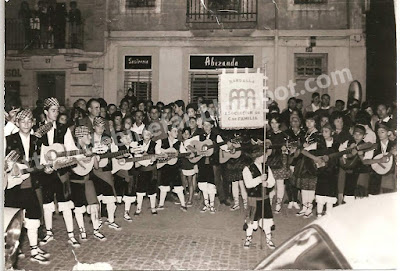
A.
pixel 152 147
pixel 59 135
pixel 165 144
pixel 14 142
pixel 255 192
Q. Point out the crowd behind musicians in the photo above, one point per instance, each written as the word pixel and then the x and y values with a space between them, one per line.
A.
pixel 298 139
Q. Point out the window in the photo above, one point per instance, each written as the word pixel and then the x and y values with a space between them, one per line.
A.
pixel 140 3
pixel 221 11
pixel 309 66
pixel 140 6
pixel 309 2
pixel 140 83
pixel 204 85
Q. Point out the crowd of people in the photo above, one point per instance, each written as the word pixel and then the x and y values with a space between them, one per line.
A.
pixel 316 157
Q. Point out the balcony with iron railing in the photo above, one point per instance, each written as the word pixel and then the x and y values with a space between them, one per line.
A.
pixel 221 13
pixel 28 35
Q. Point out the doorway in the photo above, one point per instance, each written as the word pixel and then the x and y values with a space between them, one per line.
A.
pixel 51 84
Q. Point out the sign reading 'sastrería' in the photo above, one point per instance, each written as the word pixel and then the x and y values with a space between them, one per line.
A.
pixel 211 62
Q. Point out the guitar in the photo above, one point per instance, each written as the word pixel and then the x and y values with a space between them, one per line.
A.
pixel 24 171
pixel 202 149
pixel 361 147
pixel 52 153
pixel 385 167
pixel 351 163
pixel 170 156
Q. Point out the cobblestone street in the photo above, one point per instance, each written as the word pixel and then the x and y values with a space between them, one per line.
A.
pixel 171 240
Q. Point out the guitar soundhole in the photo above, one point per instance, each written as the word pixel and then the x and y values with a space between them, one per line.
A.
pixel 121 162
pixel 51 155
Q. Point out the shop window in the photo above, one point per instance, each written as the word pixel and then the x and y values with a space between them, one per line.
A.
pixel 140 83
pixel 203 85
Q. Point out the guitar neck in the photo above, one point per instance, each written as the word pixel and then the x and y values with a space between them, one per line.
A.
pixel 114 154
pixel 70 153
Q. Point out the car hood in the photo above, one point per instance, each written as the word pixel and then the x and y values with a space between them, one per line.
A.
pixel 366 231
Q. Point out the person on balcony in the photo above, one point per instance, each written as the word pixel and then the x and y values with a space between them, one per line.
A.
pixel 75 24
pixel 60 23
pixel 25 15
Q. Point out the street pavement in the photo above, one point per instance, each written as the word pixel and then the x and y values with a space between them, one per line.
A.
pixel 171 240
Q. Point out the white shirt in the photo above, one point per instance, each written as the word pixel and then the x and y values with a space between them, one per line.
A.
pixel 370 136
pixel 138 129
pixel 26 144
pixel 329 143
pixel 250 182
pixel 10 129
pixel 314 107
pixel 384 146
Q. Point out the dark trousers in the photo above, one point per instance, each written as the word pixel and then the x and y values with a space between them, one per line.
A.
pixel 219 183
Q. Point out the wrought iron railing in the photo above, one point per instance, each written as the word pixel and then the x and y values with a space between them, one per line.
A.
pixel 221 11
pixel 30 34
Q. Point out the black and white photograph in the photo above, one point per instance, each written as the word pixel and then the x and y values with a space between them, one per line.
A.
pixel 199 134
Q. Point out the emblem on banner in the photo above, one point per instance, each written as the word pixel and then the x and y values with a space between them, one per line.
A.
pixel 242 99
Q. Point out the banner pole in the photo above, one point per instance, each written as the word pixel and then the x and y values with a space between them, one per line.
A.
pixel 264 151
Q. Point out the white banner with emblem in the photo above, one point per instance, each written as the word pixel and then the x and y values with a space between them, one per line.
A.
pixel 241 100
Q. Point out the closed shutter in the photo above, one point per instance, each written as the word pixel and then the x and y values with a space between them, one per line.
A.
pixel 140 83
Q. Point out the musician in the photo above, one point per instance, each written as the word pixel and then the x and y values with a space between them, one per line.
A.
pixel 327 175
pixel 83 192
pixel 11 111
pixel 102 176
pixel 305 171
pixel 278 160
pixel 295 134
pixel 189 169
pixel 233 168
pixel 146 181
pixel 23 195
pixel 125 181
pixel 383 183
pixel 357 178
pixel 93 109
pixel 169 174
pixel 56 183
pixel 138 126
pixel 255 181
pixel 340 135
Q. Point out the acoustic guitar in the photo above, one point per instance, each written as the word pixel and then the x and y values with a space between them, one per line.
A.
pixel 385 167
pixel 361 147
pixel 25 171
pixel 56 151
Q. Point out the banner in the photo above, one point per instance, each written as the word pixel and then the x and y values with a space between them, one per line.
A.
pixel 241 100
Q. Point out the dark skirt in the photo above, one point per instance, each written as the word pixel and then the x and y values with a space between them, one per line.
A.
pixel 146 183
pixel 24 199
pixel 103 187
pixel 350 185
pixel 267 210
pixel 306 183
pixel 78 195
pixel 170 176
pixel 206 173
pixel 52 184
pixel 326 185
pixel 233 170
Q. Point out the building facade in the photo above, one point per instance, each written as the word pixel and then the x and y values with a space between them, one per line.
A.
pixel 169 50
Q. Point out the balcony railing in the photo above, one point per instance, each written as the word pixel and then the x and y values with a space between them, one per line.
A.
pixel 27 35
pixel 221 11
